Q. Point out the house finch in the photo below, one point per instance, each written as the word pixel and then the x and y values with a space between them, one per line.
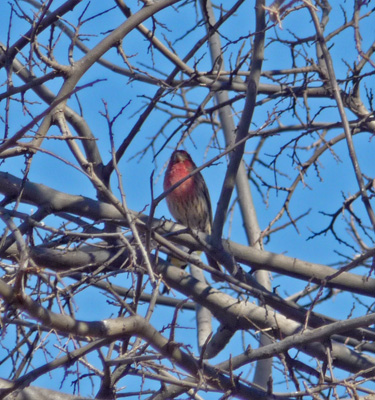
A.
pixel 189 203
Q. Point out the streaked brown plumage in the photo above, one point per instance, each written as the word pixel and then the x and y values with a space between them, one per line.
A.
pixel 189 203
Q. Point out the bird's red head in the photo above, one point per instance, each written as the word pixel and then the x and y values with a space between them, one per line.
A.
pixel 180 156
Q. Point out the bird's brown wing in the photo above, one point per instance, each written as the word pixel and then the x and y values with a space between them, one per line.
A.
pixel 206 226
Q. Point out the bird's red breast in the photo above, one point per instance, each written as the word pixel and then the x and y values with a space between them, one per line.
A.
pixel 179 167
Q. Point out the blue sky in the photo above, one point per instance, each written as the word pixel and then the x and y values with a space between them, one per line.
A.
pixel 321 193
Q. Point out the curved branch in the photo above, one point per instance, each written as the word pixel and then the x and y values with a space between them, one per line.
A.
pixel 119 328
pixel 55 201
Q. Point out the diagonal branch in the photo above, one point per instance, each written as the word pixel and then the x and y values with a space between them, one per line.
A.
pixel 336 93
pixel 244 124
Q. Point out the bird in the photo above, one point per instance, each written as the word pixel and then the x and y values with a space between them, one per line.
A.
pixel 189 203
